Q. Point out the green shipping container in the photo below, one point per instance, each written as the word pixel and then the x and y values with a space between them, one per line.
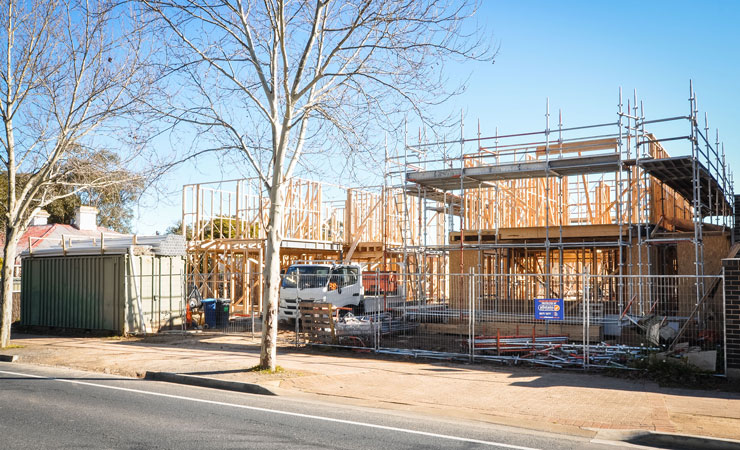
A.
pixel 103 292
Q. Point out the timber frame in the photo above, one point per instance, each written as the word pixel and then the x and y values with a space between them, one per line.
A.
pixel 604 199
pixel 224 224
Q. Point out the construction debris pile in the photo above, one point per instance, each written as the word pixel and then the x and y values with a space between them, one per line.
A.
pixel 363 328
pixel 554 351
pixel 606 240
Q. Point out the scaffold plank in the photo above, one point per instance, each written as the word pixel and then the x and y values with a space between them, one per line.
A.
pixel 472 177
pixel 678 173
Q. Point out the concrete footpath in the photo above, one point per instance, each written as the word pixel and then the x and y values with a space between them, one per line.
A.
pixel 540 399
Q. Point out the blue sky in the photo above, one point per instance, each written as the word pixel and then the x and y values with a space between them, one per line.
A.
pixel 578 54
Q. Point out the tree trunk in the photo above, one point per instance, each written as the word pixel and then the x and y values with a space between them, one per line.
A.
pixel 7 288
pixel 272 278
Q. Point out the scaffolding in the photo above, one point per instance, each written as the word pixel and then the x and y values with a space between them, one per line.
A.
pixel 603 199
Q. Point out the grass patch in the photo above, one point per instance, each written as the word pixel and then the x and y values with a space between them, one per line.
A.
pixel 670 372
pixel 674 373
pixel 261 371
pixel 13 346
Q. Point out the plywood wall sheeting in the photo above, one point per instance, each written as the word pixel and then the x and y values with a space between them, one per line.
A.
pixel 640 260
pixel 716 247
pixel 470 261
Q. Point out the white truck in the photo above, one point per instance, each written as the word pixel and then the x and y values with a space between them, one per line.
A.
pixel 338 284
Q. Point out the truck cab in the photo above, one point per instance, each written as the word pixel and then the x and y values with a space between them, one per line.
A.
pixel 338 284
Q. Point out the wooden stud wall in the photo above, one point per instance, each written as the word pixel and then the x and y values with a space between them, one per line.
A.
pixel 227 227
pixel 587 199
pixel 213 214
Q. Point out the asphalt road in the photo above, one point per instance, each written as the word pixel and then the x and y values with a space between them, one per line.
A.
pixel 49 408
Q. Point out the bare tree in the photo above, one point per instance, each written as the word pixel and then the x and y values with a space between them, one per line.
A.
pixel 275 78
pixel 71 75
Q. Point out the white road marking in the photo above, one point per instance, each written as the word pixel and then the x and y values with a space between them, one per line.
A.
pixel 277 411
pixel 620 444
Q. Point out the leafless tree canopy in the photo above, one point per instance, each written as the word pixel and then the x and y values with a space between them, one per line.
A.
pixel 72 77
pixel 320 74
pixel 275 79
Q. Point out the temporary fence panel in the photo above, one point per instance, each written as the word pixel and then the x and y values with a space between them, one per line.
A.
pixel 558 320
pixel 217 286
pixel 605 321
pixel 526 317
pixel 682 314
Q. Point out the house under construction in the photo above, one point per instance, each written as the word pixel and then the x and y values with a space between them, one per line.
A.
pixel 225 225
pixel 620 201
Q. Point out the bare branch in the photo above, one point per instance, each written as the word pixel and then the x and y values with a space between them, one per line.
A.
pixel 74 76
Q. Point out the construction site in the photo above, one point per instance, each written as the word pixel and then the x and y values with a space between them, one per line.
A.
pixel 619 229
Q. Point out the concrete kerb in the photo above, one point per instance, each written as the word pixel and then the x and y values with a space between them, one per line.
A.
pixel 636 438
pixel 8 358
pixel 656 439
pixel 96 355
pixel 212 383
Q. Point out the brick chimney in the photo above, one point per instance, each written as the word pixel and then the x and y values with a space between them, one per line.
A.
pixel 40 218
pixel 86 218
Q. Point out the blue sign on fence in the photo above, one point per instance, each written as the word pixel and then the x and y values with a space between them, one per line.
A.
pixel 548 308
